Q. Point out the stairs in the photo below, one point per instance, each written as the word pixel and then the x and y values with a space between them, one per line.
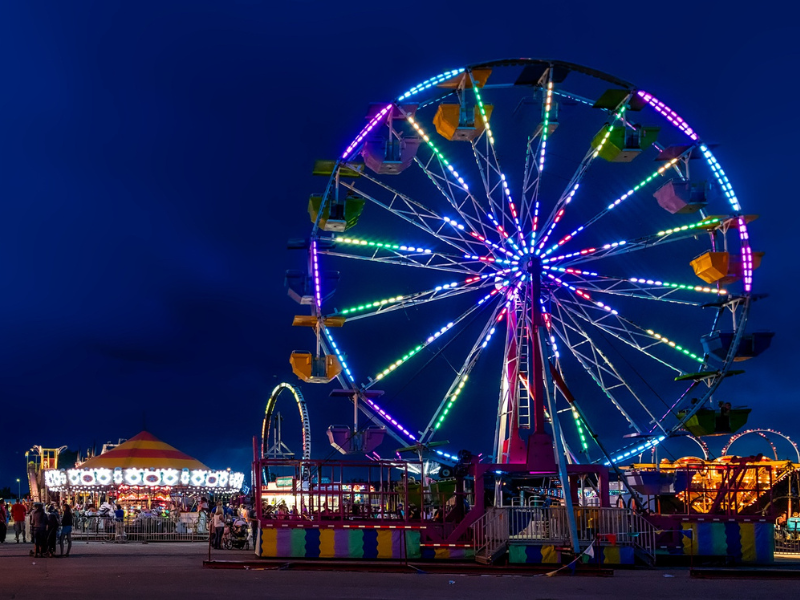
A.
pixel 490 535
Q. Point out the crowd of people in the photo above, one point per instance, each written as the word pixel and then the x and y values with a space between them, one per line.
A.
pixel 49 527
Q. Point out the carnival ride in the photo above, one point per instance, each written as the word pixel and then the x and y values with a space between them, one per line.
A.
pixel 522 234
pixel 142 472
pixel 556 216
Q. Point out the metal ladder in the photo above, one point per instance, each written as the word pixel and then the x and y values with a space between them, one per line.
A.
pixel 523 357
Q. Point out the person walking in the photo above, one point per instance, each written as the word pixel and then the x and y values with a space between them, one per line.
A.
pixel 18 512
pixel 39 530
pixel 66 530
pixel 218 524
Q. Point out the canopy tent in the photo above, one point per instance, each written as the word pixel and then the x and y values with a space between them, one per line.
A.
pixel 144 451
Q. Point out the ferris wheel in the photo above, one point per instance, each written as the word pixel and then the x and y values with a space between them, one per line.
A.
pixel 562 241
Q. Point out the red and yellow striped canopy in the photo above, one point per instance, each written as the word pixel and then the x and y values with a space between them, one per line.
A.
pixel 143 451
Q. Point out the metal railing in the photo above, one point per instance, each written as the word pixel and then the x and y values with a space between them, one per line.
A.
pixel 786 543
pixel 490 534
pixel 603 526
pixel 190 527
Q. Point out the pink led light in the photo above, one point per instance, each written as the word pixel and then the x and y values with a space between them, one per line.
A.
pixel 316 273
pixel 370 126
pixel 388 418
pixel 670 114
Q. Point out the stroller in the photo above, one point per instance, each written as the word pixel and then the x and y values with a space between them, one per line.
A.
pixel 237 536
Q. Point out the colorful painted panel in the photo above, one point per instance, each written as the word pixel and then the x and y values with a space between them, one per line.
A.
pixel 312 542
pixel 444 553
pixel 533 555
pixel 752 542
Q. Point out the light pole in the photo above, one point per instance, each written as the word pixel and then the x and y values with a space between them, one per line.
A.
pixel 19 493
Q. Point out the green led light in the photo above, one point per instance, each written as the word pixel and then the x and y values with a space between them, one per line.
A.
pixel 675 346
pixel 374 244
pixel 679 286
pixel 369 305
pixel 702 223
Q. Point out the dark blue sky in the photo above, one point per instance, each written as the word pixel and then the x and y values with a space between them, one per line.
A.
pixel 156 156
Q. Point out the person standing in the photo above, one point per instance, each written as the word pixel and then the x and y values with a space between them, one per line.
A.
pixel 39 530
pixel 218 523
pixel 66 530
pixel 18 512
pixel 119 522
pixel 53 523
pixel 3 521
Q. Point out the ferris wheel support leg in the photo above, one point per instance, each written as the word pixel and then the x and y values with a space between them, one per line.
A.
pixel 561 460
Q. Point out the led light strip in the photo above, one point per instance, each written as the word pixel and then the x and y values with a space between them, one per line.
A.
pixel 547 104
pixel 618 201
pixel 641 280
pixel 459 388
pixel 571 194
pixel 339 356
pixel 318 293
pixel 670 114
pixel 719 174
pixel 384 245
pixel 744 236
pixel 703 223
pixel 583 294
pixel 372 404
pixel 428 83
pixel 678 286
pixel 504 183
pixel 665 232
pixel 456 225
pixel 451 401
pixel 637 450
pixel 426 138
pixel 677 347
pixel 446 286
pixel 370 126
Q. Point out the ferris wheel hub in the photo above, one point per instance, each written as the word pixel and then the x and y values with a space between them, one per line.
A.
pixel 533 266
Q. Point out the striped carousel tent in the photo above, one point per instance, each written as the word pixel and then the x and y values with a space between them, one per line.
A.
pixel 144 451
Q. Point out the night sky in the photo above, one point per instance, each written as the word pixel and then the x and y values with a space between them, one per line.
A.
pixel 155 158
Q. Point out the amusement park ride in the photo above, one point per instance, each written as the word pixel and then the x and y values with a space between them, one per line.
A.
pixel 575 253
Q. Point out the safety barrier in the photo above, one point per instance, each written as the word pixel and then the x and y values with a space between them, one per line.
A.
pixel 189 527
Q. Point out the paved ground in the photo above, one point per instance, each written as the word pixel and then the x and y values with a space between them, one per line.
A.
pixel 173 570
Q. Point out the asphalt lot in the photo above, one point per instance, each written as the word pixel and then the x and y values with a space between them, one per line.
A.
pixel 174 570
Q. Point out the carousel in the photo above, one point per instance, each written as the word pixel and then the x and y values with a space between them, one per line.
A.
pixel 142 472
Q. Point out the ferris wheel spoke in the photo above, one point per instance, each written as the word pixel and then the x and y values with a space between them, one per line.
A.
pixel 625 330
pixel 652 289
pixel 433 261
pixel 451 184
pixel 560 207
pixel 494 180
pixel 417 214
pixel 443 228
pixel 643 183
pixel 428 341
pixel 593 361
pixel 665 236
pixel 456 387
pixel 440 292
pixel 452 193
pixel 629 288
pixel 535 156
